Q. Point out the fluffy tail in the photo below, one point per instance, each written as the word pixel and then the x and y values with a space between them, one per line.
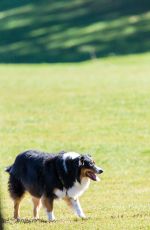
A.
pixel 8 169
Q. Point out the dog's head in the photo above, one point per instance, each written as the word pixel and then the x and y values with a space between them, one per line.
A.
pixel 89 168
pixel 74 165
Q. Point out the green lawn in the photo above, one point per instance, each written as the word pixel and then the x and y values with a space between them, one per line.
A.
pixel 101 107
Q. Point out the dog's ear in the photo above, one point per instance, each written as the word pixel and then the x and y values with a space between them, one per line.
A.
pixel 81 160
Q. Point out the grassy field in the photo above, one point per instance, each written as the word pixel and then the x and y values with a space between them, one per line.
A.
pixel 101 107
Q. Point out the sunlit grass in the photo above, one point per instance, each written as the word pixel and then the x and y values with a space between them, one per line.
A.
pixel 101 107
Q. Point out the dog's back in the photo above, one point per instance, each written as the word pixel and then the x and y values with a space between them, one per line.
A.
pixel 26 174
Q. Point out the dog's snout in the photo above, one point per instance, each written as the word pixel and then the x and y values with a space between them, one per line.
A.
pixel 100 171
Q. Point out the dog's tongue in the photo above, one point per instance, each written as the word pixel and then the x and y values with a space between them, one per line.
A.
pixel 93 176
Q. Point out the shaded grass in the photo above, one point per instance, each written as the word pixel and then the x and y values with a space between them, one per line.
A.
pixel 100 107
pixel 72 31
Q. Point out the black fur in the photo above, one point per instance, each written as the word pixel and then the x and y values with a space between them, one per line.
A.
pixel 39 173
pixel 15 187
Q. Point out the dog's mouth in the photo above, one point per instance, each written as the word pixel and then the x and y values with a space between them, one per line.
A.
pixel 92 175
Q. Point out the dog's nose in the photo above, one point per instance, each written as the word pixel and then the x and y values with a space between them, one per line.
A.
pixel 100 171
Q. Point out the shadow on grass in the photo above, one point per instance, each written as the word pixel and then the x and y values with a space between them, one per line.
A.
pixel 71 31
pixel 25 221
pixel 29 221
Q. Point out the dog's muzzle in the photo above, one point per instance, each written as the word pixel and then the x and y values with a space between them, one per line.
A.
pixel 92 174
pixel 98 170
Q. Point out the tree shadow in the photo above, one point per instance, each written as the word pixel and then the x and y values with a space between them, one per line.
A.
pixel 72 31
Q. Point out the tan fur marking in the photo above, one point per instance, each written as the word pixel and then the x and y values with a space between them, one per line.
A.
pixel 36 203
pixel 48 204
pixel 68 202
pixel 84 172
pixel 16 207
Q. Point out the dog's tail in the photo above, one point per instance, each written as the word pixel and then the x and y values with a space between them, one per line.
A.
pixel 8 169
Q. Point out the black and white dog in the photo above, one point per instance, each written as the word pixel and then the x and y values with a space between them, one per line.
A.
pixel 46 177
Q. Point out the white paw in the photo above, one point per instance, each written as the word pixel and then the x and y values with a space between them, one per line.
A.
pixel 50 216
pixel 36 218
pixel 82 216
pixel 17 219
pixel 51 220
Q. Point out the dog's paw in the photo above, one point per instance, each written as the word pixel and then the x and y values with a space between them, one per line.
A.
pixel 35 218
pixel 17 219
pixel 82 216
pixel 52 220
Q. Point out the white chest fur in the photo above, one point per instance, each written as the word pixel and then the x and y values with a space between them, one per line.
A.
pixel 60 193
pixel 75 191
pixel 79 188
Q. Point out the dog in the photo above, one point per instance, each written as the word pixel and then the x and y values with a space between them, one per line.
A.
pixel 46 177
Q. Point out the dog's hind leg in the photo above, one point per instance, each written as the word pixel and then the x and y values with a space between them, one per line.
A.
pixel 16 208
pixel 48 204
pixel 36 203
pixel 16 191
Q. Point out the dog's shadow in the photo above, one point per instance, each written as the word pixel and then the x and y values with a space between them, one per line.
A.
pixel 25 221
pixel 29 221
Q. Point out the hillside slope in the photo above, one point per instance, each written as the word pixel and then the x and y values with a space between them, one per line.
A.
pixel 70 31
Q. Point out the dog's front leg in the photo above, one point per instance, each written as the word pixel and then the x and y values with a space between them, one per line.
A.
pixel 75 204
pixel 48 203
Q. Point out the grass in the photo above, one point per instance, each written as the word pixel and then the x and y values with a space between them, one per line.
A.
pixel 72 31
pixel 101 107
